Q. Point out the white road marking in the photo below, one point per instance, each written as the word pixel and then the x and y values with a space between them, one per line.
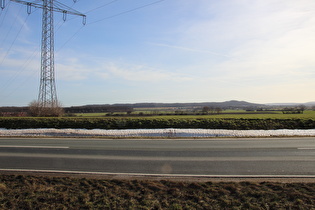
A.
pixel 307 148
pixel 42 147
pixel 158 158
pixel 160 175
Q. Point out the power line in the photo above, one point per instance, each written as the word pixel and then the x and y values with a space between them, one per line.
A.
pixel 27 79
pixel 21 69
pixel 112 16
pixel 11 26
pixel 3 5
pixel 19 86
pixel 6 54
pixel 104 5
pixel 92 10
pixel 70 38
pixel 127 11
pixel 62 21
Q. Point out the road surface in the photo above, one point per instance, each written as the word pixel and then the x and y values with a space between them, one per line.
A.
pixel 214 157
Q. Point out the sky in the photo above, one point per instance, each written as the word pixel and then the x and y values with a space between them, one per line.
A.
pixel 167 51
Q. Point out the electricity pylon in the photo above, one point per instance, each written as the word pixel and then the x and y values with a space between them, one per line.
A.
pixel 47 96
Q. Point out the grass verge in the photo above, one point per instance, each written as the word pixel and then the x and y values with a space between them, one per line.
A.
pixel 47 192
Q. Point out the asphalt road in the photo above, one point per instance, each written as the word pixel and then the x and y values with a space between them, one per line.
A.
pixel 215 157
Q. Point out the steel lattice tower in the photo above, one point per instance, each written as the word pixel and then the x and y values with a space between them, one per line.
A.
pixel 47 89
pixel 47 96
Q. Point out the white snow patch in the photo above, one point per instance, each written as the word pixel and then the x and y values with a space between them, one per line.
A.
pixel 168 132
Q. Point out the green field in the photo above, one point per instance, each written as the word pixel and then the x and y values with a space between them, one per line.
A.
pixel 308 114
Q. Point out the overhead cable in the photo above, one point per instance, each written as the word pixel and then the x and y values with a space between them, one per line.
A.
pixel 109 17
pixel 5 14
pixel 6 54
pixel 127 11
pixel 8 34
pixel 100 6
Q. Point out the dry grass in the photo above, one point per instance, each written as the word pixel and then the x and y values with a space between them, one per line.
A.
pixel 39 192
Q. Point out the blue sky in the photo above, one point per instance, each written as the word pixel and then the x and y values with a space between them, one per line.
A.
pixel 260 51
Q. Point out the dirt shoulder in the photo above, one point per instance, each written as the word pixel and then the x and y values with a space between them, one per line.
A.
pixel 68 191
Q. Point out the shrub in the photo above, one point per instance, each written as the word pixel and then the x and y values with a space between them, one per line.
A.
pixel 152 123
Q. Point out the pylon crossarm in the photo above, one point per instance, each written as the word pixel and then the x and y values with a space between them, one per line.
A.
pixel 58 7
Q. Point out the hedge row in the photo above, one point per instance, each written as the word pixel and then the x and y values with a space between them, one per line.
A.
pixel 137 123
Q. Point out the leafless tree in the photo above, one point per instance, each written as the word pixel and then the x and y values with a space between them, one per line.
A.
pixel 36 110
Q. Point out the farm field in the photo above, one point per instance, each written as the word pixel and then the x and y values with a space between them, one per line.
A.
pixel 240 114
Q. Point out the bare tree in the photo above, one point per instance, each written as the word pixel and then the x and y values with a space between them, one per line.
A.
pixel 36 110
pixel 301 107
pixel 218 110
pixel 205 109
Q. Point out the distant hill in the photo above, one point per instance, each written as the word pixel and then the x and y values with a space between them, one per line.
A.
pixel 310 103
pixel 292 104
pixel 233 104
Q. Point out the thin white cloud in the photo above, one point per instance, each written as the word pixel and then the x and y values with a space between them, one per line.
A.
pixel 189 49
pixel 71 69
pixel 20 60
pixel 270 38
pixel 71 72
pixel 75 69
pixel 141 73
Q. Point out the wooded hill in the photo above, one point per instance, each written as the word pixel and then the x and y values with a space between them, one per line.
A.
pixel 233 104
pixel 130 107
